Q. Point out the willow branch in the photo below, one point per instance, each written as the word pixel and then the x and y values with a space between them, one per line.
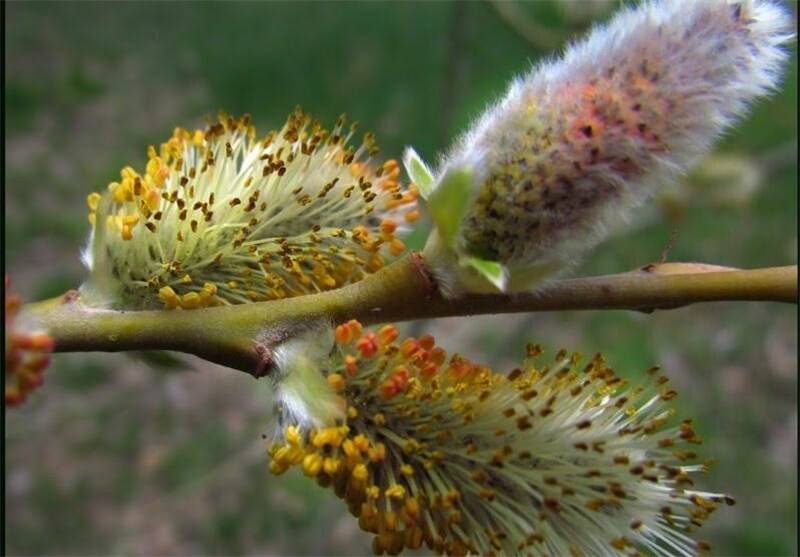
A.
pixel 240 336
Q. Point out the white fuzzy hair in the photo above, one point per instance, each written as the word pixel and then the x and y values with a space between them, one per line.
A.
pixel 714 58
pixel 304 396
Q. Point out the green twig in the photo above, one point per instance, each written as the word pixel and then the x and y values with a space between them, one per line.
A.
pixel 241 336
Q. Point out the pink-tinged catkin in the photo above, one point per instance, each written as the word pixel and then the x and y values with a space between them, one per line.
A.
pixel 578 142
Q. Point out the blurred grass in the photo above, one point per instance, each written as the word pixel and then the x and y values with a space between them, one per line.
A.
pixel 115 456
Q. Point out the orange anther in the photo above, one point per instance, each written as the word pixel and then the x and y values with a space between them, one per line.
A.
pixel 388 389
pixel 388 334
pixel 427 342
pixel 409 347
pixel 368 345
pixel 351 365
pixel 429 370
pixel 151 198
pixel 396 247
pixel 438 355
pixel 388 226
pixel 343 334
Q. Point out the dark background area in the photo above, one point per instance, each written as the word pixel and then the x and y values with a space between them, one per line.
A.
pixel 122 454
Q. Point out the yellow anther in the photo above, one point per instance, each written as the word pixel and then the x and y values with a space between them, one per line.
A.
pixel 312 464
pixel 190 300
pixel 395 492
pixel 296 455
pixel 349 448
pixel 209 289
pixel 336 381
pixel 169 297
pixel 119 191
pixel 129 173
pixel 153 165
pixel 186 279
pixel 329 282
pixel 361 443
pixel 277 468
pixel 131 219
pixel 282 455
pixel 328 436
pixel 377 453
pixel 396 247
pixel 151 198
pixel 331 465
pixel 407 470
pixel 92 200
pixel 293 436
pixel 127 233
pixel 360 472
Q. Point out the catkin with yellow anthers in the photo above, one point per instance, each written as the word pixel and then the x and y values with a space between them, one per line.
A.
pixel 221 216
pixel 554 458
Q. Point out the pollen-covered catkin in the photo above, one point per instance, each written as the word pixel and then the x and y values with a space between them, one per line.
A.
pixel 554 458
pixel 221 216
pixel 578 142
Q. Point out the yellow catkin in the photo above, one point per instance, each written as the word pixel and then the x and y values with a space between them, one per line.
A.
pixel 439 451
pixel 178 216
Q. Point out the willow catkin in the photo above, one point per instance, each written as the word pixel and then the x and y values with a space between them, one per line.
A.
pixel 221 216
pixel 579 142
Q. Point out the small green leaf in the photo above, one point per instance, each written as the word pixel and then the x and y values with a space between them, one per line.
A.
pixel 492 271
pixel 418 171
pixel 448 203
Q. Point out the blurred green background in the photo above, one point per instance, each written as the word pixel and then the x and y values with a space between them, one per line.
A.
pixel 122 455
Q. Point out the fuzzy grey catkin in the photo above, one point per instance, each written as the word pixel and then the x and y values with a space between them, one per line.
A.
pixel 579 142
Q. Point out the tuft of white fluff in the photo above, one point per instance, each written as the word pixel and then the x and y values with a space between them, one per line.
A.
pixel 577 143
pixel 87 258
pixel 304 397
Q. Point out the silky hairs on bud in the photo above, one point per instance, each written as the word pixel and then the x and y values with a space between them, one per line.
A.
pixel 304 396
pixel 577 143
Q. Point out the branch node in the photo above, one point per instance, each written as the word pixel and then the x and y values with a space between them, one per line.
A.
pixel 70 296
pixel 429 283
pixel 265 361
